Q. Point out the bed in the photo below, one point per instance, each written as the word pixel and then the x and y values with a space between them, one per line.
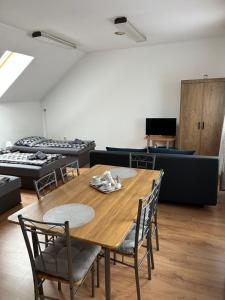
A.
pixel 30 168
pixel 74 149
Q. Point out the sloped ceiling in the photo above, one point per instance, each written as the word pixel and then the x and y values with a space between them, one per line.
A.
pixel 89 23
pixel 49 65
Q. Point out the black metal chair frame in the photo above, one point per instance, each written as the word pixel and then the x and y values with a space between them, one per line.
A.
pixel 146 217
pixel 72 167
pixel 45 184
pixel 142 160
pixel 154 221
pixel 38 231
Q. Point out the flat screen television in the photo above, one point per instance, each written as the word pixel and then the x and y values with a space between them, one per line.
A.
pixel 161 126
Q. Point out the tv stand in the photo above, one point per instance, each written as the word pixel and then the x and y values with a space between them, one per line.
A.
pixel 153 139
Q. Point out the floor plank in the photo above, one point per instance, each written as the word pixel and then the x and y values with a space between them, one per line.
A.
pixel 189 266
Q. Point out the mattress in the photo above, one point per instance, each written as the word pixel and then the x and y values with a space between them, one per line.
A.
pixel 27 158
pixel 63 151
pixel 31 171
pixel 38 142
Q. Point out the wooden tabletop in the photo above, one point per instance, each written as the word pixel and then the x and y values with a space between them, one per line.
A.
pixel 114 212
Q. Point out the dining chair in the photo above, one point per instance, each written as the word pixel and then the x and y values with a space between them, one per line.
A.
pixel 141 230
pixel 60 258
pixel 154 221
pixel 142 160
pixel 68 171
pixel 45 184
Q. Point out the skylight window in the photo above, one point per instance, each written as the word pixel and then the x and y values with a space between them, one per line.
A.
pixel 12 64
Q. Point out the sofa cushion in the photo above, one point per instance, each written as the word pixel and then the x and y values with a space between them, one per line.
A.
pixel 170 151
pixel 54 259
pixel 128 244
pixel 141 150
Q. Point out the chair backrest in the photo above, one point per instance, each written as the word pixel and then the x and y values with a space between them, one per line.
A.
pixel 40 235
pixel 45 184
pixel 146 210
pixel 69 171
pixel 154 196
pixel 142 161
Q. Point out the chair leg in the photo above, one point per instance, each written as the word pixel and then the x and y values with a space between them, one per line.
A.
pixel 36 294
pixel 93 281
pixel 98 273
pixel 46 241
pixel 71 291
pixel 59 286
pixel 114 258
pixel 40 288
pixel 137 278
pixel 156 232
pixel 123 258
pixel 149 251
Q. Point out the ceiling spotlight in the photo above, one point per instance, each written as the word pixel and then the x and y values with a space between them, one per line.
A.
pixel 45 35
pixel 129 29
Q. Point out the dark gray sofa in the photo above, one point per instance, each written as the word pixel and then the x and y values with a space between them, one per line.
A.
pixel 189 179
pixel 10 193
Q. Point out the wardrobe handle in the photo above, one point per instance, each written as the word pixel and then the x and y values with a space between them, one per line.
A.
pixel 203 125
pixel 199 125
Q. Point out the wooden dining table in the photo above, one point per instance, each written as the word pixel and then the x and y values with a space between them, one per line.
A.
pixel 114 212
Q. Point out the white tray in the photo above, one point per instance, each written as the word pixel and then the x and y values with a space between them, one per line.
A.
pixel 100 188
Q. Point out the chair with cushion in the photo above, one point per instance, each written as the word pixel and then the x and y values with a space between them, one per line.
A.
pixel 69 171
pixel 45 184
pixel 142 161
pixel 141 230
pixel 60 258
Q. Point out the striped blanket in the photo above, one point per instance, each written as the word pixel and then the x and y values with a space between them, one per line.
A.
pixel 27 158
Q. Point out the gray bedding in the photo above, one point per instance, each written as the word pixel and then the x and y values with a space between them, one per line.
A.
pixel 27 158
pixel 29 173
pixel 80 151
pixel 38 142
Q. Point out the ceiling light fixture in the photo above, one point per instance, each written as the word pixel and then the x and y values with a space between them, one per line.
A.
pixel 119 33
pixel 129 29
pixel 45 35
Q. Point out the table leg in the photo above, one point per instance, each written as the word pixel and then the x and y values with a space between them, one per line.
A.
pixel 107 275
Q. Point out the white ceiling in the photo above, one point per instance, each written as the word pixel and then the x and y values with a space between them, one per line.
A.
pixel 89 22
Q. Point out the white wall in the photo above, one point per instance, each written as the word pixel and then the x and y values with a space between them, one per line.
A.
pixel 108 95
pixel 18 120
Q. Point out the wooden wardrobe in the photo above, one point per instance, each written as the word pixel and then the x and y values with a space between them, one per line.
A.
pixel 202 115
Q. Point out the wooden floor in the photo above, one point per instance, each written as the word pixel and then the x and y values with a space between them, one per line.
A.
pixel 190 264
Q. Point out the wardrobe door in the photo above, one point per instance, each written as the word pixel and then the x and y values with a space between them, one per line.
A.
pixel 190 116
pixel 212 117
